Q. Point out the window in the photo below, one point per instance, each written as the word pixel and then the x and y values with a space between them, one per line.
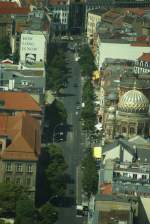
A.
pixel 18 167
pixel 7 180
pixel 8 166
pixel 144 177
pixel 18 180
pixel 29 168
pixel 132 130
pixel 28 181
pixel 134 176
pixel 125 174
pixel 124 130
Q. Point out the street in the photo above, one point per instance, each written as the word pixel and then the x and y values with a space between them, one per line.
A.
pixel 72 146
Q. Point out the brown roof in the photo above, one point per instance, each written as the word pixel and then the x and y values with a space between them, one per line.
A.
pixel 24 132
pixel 12 8
pixel 8 5
pixel 136 11
pixel 18 10
pixel 106 189
pixel 19 101
pixel 57 2
pixel 145 57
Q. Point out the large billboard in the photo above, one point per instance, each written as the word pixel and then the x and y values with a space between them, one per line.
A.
pixel 33 48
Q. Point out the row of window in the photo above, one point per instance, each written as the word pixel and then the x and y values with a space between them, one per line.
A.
pixel 18 167
pixel 19 180
pixel 134 176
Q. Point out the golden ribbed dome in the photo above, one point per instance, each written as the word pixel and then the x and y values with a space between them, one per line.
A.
pixel 134 101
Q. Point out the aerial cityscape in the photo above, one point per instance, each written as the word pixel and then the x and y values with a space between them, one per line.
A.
pixel 75 112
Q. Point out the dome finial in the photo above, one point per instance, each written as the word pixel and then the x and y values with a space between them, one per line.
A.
pixel 134 85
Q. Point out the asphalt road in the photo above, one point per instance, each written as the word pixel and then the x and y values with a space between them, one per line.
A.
pixel 72 146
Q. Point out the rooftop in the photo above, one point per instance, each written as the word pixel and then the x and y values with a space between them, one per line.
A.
pixel 113 198
pixel 18 101
pixel 23 130
pixel 146 204
pixel 113 216
pixel 145 57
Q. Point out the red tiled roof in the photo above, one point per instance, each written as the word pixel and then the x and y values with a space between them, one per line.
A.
pixel 145 57
pixel 19 101
pixel 10 5
pixel 18 10
pixel 141 44
pixel 57 2
pixel 25 137
pixel 106 189
pixel 136 11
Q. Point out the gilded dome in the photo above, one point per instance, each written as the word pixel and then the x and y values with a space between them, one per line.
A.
pixel 134 101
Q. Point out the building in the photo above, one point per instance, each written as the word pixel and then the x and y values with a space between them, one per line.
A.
pixel 93 18
pixel 33 47
pixel 130 119
pixel 136 148
pixel 76 17
pixel 60 15
pixel 19 150
pixel 117 50
pixel 110 209
pixel 11 103
pixel 142 65
pixel 24 79
pixel 131 3
pixel 144 212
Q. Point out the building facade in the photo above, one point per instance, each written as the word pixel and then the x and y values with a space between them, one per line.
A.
pixel 33 47
pixel 19 150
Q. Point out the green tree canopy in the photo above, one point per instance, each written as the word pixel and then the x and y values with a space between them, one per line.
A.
pixel 57 71
pixel 56 171
pixel 5 49
pixel 90 175
pixel 9 195
pixel 48 214
pixel 88 112
pixel 86 61
pixel 25 211
pixel 56 111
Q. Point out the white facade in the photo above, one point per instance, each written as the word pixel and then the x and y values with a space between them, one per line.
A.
pixel 33 47
pixel 118 51
pixel 61 12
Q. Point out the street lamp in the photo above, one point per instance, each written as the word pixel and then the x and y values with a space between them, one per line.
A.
pixel 59 124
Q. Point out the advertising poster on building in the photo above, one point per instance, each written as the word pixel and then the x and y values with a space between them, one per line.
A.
pixel 30 58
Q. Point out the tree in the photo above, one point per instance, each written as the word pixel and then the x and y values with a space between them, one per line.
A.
pixel 88 112
pixel 90 175
pixel 9 195
pixel 16 56
pixel 56 171
pixel 57 71
pixel 52 178
pixel 86 61
pixel 25 211
pixel 48 214
pixel 57 111
pixel 5 49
